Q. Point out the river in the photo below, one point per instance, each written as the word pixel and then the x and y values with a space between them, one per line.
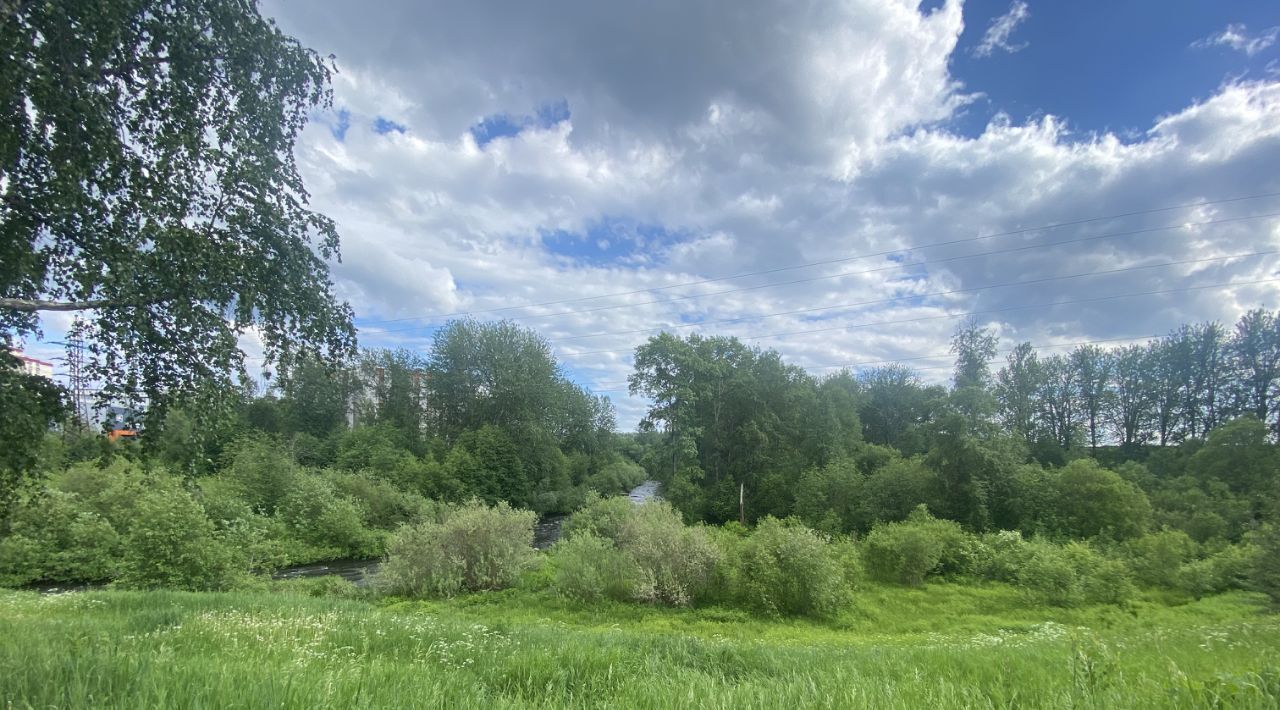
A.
pixel 545 533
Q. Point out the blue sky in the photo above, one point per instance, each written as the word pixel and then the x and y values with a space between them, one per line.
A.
pixel 1106 65
pixel 795 167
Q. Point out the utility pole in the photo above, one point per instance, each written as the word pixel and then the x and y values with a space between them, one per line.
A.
pixel 76 376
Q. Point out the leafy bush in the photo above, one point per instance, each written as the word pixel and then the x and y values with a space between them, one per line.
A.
pixel 909 551
pixel 54 539
pixel 1264 573
pixel 1229 568
pixel 318 516
pixel 264 473
pixel 475 547
pixel 1048 573
pixel 171 544
pixel 587 568
pixel 677 563
pixel 381 504
pixel 1091 500
pixel 603 517
pixel 784 569
pixel 1156 558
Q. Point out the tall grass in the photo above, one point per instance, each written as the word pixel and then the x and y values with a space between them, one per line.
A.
pixel 947 646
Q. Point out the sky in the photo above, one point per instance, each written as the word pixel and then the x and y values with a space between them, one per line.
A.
pixel 778 171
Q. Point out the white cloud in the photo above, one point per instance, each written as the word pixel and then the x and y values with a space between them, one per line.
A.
pixel 1001 29
pixel 1236 36
pixel 704 143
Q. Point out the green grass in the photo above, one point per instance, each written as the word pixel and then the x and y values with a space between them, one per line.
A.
pixel 939 647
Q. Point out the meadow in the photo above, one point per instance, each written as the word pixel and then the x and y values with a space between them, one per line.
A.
pixel 320 644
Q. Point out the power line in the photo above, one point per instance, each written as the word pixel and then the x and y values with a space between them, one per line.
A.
pixel 1055 225
pixel 915 295
pixel 891 267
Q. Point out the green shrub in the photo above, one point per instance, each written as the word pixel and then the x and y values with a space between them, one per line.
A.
pixel 55 538
pixel 784 569
pixel 475 547
pixel 677 563
pixel 589 568
pixel 264 473
pixel 1155 558
pixel 170 544
pixel 1047 572
pixel 1091 500
pixel 909 551
pixel 1006 551
pixel 1229 568
pixel 1264 572
pixel 1102 580
pixel 603 517
pixel 382 505
pixel 318 516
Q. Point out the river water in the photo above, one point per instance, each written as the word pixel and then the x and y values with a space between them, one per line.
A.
pixel 545 533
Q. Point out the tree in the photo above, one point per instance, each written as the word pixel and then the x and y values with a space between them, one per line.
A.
pixel 1133 396
pixel 974 347
pixel 1254 354
pixel 1092 372
pixel 147 178
pixel 1018 385
pixel 1059 400
pixel 31 404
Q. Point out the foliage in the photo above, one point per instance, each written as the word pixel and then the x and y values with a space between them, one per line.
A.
pixel 907 552
pixel 31 404
pixel 1155 558
pixel 148 178
pixel 475 547
pixel 588 568
pixel 170 543
pixel 788 569
pixel 602 517
pixel 1091 501
pixel 676 563
pixel 1264 574
pixel 317 515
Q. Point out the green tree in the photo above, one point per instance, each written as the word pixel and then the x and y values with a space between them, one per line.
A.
pixel 1254 354
pixel 1091 500
pixel 31 404
pixel 147 178
pixel 1018 385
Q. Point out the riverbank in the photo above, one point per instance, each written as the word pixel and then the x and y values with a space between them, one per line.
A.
pixel 946 646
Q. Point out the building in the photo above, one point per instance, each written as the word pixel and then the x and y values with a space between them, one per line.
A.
pixel 32 366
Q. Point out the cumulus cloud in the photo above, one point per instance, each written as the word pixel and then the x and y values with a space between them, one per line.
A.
pixel 690 143
pixel 1001 29
pixel 1236 36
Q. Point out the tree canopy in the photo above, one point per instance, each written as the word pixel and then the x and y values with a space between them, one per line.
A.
pixel 147 178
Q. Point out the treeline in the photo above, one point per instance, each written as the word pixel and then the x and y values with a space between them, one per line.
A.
pixel 486 412
pixel 1181 430
pixel 323 466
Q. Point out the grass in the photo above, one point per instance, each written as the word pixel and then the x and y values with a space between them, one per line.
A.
pixel 940 647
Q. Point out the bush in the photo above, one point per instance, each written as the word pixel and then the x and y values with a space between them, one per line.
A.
pixel 784 569
pixel 1072 574
pixel 476 547
pixel 603 517
pixel 264 473
pixel 589 568
pixel 1264 572
pixel 676 563
pixel 1049 574
pixel 909 551
pixel 1156 558
pixel 54 538
pixel 381 504
pixel 171 544
pixel 1229 568
pixel 318 516
pixel 1091 500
